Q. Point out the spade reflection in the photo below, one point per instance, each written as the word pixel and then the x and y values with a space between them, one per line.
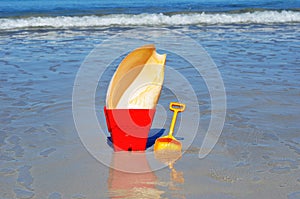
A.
pixel 169 157
pixel 130 176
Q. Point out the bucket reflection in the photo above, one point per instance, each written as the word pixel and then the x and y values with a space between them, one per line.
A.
pixel 130 176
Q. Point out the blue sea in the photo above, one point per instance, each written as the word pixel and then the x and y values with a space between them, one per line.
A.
pixel 255 46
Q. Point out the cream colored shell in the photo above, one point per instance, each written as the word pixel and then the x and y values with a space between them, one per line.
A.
pixel 138 80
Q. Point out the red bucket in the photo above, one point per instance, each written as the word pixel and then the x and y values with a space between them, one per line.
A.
pixel 129 128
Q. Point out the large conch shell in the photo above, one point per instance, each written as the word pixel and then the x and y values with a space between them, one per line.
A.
pixel 138 80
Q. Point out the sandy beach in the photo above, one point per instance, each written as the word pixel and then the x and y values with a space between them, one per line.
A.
pixel 256 156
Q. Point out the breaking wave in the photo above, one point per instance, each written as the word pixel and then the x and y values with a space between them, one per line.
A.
pixel 257 17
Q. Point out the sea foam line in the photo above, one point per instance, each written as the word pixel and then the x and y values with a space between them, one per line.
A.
pixel 151 19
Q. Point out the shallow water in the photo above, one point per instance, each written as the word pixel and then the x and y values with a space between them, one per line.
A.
pixel 257 155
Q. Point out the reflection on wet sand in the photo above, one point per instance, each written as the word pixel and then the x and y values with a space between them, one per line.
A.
pixel 130 176
pixel 169 157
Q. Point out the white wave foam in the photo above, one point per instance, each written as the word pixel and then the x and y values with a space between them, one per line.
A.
pixel 151 20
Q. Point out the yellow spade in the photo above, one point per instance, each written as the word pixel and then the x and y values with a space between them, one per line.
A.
pixel 169 142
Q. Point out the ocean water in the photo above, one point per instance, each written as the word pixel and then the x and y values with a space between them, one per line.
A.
pixel 255 46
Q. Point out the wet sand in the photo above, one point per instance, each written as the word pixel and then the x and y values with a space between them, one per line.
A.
pixel 257 155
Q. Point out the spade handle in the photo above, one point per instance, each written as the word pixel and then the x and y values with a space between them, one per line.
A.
pixel 176 107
